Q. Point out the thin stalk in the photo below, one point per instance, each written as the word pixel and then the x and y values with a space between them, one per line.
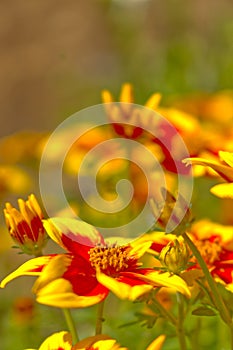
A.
pixel 165 313
pixel 194 334
pixel 180 324
pixel 99 318
pixel 224 313
pixel 71 325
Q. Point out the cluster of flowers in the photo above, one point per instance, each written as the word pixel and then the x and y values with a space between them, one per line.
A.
pixel 195 262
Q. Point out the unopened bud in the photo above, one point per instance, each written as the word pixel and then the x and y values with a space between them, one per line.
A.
pixel 175 256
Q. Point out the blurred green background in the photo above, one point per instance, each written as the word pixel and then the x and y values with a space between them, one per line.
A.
pixel 57 56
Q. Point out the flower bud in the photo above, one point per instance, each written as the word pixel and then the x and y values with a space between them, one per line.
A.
pixel 25 225
pixel 173 215
pixel 175 256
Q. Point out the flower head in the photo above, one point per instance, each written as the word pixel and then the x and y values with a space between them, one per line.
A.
pixel 124 114
pixel 91 268
pixel 214 241
pixel 25 225
pixel 63 341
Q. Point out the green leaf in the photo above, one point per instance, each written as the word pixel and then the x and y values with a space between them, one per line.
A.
pixel 204 311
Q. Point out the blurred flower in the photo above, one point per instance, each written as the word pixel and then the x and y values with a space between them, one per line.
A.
pixel 217 107
pixel 215 243
pixel 157 343
pixel 91 268
pixel 23 310
pixel 174 134
pixel 223 167
pixel 124 114
pixel 25 225
pixel 13 180
pixel 21 147
pixel 173 214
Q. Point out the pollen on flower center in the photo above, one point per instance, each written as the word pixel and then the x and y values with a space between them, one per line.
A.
pixel 210 251
pixel 109 259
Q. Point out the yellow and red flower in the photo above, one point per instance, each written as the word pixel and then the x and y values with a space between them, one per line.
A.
pixel 214 241
pixel 124 114
pixel 25 225
pixel 63 341
pixel 91 268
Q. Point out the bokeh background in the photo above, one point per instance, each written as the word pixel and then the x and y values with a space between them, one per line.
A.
pixel 56 57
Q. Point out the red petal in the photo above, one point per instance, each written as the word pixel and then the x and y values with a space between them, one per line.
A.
pixel 81 275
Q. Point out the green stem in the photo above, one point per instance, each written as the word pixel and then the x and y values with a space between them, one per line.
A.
pixel 231 331
pixel 165 313
pixel 99 318
pixel 219 303
pixel 71 325
pixel 180 323
pixel 194 334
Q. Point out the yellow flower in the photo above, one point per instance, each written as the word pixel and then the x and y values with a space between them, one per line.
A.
pixel 215 243
pixel 91 268
pixel 25 225
pixel 20 147
pixel 63 341
pixel 122 114
pixel 13 180
pixel 223 167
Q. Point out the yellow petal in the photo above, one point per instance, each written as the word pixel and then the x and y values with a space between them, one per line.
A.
pixel 107 96
pixel 60 340
pixel 224 171
pixel 126 93
pixel 227 157
pixel 122 290
pixel 27 269
pixel 157 343
pixel 165 279
pixel 88 342
pixel 76 230
pixel 109 344
pixel 223 190
pixel 34 205
pixel 52 271
pixel 140 249
pixel 59 293
pixel 153 101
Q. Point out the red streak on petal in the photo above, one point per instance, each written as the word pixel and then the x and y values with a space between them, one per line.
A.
pixel 224 272
pixel 81 275
pixel 76 248
pixel 157 247
pixel 130 278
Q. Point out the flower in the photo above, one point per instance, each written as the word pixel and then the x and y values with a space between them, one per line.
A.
pixel 63 341
pixel 25 225
pixel 91 268
pixel 20 184
pixel 124 114
pixel 223 167
pixel 214 241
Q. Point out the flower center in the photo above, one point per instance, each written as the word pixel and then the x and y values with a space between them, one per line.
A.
pixel 110 259
pixel 210 250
